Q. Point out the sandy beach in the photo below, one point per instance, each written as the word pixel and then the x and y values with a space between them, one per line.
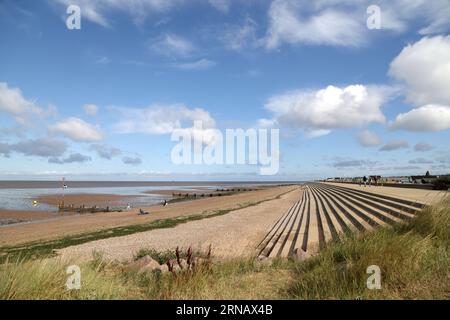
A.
pixel 69 225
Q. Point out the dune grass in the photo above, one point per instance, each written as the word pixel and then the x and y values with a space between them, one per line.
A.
pixel 46 279
pixel 414 259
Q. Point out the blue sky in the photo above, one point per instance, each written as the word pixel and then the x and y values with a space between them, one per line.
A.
pixel 347 100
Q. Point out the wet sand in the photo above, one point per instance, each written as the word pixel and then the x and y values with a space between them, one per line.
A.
pixel 25 215
pixel 67 225
pixel 84 199
pixel 8 217
pixel 170 192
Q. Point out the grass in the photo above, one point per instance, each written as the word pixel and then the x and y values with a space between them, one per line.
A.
pixel 46 279
pixel 46 248
pixel 414 259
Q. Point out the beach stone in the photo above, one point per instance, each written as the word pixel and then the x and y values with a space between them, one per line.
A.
pixel 164 268
pixel 145 263
pixel 300 255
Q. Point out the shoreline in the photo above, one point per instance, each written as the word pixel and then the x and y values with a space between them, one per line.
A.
pixel 79 199
pixel 53 184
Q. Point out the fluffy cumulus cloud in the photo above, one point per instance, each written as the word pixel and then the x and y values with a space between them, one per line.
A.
pixel 90 109
pixel 368 138
pixel 319 112
pixel 425 68
pixel 338 23
pixel 395 145
pixel 426 118
pixel 14 103
pixel 73 158
pixel 77 130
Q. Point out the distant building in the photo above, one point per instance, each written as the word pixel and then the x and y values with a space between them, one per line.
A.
pixel 423 179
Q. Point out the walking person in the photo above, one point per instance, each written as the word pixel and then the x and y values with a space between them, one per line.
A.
pixel 365 181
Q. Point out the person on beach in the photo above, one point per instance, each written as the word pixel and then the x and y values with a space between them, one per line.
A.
pixel 365 181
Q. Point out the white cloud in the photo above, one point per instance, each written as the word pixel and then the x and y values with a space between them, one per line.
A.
pixel 199 65
pixel 343 23
pixel 161 119
pixel 319 112
pixel 97 11
pixel 172 45
pixel 368 138
pixel 221 5
pixel 427 118
pixel 395 145
pixel 287 23
pixel 425 67
pixel 13 102
pixel 90 109
pixel 77 130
